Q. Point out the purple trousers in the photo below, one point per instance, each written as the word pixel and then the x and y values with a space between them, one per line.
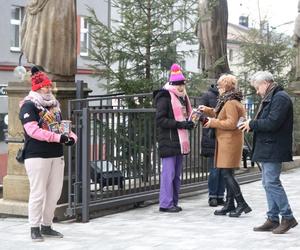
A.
pixel 170 181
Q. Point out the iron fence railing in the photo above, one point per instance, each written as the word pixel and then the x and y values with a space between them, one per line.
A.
pixel 115 160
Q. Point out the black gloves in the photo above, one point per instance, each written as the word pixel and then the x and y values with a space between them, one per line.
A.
pixel 68 141
pixel 63 139
pixel 185 125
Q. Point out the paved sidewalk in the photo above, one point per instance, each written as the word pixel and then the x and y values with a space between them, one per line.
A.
pixel 145 228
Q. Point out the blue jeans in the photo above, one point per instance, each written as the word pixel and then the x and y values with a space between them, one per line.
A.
pixel 277 199
pixel 216 186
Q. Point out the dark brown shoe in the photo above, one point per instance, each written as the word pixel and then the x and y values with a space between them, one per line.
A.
pixel 267 226
pixel 285 225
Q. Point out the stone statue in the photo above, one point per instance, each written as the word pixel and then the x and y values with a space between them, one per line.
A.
pixel 49 37
pixel 296 38
pixel 212 34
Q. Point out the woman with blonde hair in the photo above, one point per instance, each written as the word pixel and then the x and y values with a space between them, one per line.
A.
pixel 229 141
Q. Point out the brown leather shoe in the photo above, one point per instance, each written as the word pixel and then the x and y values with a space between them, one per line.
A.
pixel 267 226
pixel 285 226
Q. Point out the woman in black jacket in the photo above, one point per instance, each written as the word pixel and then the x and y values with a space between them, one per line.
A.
pixel 216 186
pixel 40 116
pixel 172 111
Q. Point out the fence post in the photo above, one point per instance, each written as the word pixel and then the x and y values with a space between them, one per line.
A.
pixel 79 89
pixel 78 106
pixel 86 182
pixel 69 210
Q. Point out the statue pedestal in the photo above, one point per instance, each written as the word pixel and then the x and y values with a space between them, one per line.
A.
pixel 16 184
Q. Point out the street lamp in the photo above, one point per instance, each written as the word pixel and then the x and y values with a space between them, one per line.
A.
pixel 20 71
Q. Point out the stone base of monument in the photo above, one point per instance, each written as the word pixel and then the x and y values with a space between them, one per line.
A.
pixel 12 208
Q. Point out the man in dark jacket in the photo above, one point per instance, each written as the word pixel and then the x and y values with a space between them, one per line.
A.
pixel 272 145
pixel 216 187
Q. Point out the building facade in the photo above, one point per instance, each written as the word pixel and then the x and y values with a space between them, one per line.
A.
pixel 235 35
pixel 10 26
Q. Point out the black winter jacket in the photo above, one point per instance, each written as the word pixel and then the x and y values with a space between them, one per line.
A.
pixel 273 128
pixel 209 99
pixel 168 139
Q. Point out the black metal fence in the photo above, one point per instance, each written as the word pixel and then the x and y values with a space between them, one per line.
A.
pixel 115 161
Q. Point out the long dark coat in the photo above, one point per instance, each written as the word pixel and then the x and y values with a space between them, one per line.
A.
pixel 168 139
pixel 273 129
pixel 209 99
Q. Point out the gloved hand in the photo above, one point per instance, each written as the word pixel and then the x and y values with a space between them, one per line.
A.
pixel 70 142
pixel 185 125
pixel 63 139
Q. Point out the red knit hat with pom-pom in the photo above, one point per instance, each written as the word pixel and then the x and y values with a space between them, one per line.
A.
pixel 176 74
pixel 39 80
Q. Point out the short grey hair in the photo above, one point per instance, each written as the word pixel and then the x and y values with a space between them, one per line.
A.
pixel 261 76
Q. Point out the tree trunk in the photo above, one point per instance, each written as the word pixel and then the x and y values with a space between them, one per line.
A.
pixel 148 48
pixel 212 34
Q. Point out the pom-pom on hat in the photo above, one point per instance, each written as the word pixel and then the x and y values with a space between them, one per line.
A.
pixel 176 76
pixel 39 79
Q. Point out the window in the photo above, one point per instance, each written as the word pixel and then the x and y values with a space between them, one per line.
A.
pixel 84 37
pixel 17 14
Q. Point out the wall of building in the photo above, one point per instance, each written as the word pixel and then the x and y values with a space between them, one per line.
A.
pixel 235 34
pixel 9 59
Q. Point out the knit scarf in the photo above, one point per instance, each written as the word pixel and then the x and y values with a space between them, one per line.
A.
pixel 48 106
pixel 178 111
pixel 230 95
pixel 42 101
pixel 269 93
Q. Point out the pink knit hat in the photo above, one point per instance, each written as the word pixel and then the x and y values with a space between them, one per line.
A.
pixel 176 74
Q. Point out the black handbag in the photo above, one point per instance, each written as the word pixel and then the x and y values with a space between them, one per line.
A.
pixel 20 157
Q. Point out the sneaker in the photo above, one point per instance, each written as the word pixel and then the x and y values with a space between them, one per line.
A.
pixel 285 225
pixel 267 226
pixel 35 234
pixel 170 210
pixel 179 208
pixel 213 202
pixel 49 232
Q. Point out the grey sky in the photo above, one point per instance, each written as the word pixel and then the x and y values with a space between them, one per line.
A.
pixel 277 12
